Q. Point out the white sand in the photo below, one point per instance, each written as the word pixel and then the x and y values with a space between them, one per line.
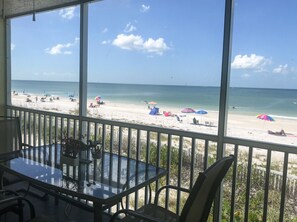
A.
pixel 242 126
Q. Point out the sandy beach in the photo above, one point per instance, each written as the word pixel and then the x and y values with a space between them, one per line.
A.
pixel 242 126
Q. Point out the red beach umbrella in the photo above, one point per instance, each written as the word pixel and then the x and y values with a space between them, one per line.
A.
pixel 97 98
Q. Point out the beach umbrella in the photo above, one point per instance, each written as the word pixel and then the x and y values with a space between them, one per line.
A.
pixel 201 112
pixel 97 98
pixel 152 103
pixel 265 117
pixel 188 110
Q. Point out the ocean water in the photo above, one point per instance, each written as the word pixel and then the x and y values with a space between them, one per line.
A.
pixel 248 101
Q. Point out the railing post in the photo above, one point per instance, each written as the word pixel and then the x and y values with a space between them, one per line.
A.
pixel 223 108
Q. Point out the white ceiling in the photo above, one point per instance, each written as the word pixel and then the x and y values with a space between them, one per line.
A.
pixel 11 8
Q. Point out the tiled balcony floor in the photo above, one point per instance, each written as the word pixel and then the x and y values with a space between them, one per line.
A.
pixel 48 208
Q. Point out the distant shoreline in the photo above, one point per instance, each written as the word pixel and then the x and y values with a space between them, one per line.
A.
pixel 231 87
pixel 241 126
pixel 281 103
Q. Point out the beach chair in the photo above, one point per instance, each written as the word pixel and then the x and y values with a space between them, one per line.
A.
pixel 197 206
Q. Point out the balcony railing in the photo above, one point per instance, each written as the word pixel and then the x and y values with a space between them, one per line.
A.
pixel 260 187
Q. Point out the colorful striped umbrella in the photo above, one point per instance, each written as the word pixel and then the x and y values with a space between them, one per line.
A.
pixel 265 117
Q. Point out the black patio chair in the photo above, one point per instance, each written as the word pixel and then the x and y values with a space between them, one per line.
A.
pixel 12 202
pixel 197 206
pixel 10 141
pixel 10 135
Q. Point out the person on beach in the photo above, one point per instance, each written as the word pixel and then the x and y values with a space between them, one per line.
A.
pixel 280 133
pixel 194 121
pixel 178 119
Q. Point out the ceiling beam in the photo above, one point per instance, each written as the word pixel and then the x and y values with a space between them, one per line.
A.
pixel 15 8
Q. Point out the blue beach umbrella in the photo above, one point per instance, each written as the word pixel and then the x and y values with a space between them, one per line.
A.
pixel 201 112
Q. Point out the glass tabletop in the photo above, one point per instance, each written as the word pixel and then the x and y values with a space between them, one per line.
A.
pixel 112 176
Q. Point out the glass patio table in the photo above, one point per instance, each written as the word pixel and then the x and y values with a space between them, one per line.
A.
pixel 101 183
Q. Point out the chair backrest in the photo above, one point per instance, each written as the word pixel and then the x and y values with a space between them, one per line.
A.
pixel 198 204
pixel 10 134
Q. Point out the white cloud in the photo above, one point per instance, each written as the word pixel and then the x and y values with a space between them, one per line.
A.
pixel 253 61
pixel 12 46
pixel 135 42
pixel 129 42
pixel 67 13
pixel 156 46
pixel 281 69
pixel 105 42
pixel 145 8
pixel 129 28
pixel 62 48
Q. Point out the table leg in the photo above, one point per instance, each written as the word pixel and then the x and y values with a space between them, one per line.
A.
pixel 98 212
pixel 1 179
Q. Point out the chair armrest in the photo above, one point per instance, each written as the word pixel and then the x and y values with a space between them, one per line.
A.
pixel 9 192
pixel 169 187
pixel 134 214
pixel 26 145
pixel 9 199
pixel 18 200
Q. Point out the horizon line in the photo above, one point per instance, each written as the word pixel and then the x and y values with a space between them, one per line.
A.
pixel 242 87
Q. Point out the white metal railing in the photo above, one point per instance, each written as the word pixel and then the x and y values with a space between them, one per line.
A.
pixel 261 184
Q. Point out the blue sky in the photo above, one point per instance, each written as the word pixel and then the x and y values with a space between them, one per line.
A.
pixel 161 42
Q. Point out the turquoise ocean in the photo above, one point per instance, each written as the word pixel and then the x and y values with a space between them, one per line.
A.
pixel 247 101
